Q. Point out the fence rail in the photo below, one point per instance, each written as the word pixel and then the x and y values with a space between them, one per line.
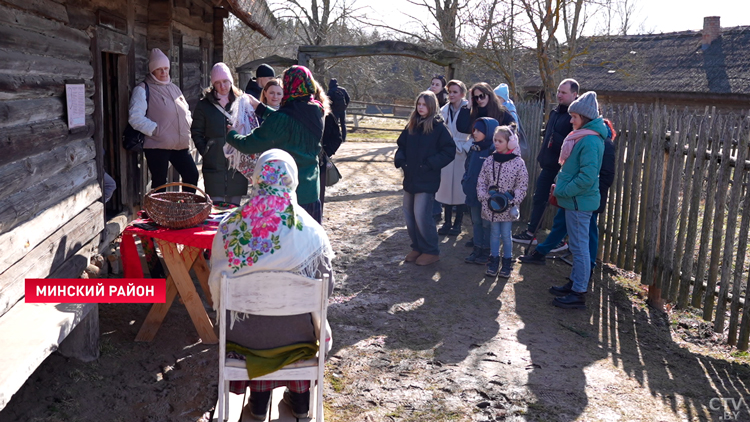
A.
pixel 679 209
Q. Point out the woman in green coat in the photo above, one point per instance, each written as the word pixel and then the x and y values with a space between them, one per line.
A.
pixel 209 130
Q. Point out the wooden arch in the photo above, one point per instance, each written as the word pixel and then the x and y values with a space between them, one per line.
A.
pixel 305 53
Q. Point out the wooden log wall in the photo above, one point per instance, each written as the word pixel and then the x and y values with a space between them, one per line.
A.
pixel 51 214
pixel 679 210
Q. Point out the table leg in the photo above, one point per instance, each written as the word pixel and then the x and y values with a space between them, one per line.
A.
pixel 179 264
pixel 157 313
pixel 201 271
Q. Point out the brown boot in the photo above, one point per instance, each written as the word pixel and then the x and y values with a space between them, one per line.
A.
pixel 427 259
pixel 412 256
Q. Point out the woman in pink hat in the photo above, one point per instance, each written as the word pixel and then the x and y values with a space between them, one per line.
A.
pixel 159 110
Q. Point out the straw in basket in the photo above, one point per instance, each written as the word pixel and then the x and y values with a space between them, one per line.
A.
pixel 177 210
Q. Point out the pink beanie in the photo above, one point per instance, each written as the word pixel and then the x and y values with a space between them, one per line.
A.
pixel 221 71
pixel 157 59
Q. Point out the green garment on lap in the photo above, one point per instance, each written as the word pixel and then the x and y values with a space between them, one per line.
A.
pixel 266 361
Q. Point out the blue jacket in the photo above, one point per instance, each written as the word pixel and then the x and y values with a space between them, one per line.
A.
pixel 474 160
pixel 578 181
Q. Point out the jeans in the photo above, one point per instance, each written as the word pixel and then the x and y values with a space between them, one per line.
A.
pixel 341 117
pixel 541 196
pixel 437 208
pixel 158 161
pixel 501 230
pixel 481 228
pixel 419 222
pixel 578 223
pixel 560 230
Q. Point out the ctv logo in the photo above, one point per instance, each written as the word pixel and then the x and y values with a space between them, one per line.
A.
pixel 731 408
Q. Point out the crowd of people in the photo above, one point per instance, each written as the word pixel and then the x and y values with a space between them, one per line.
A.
pixel 461 152
pixel 458 153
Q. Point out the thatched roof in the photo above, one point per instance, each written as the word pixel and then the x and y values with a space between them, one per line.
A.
pixel 672 62
pixel 256 14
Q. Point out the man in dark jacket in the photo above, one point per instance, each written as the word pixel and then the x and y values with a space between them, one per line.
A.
pixel 557 128
pixel 559 227
pixel 339 102
pixel 263 74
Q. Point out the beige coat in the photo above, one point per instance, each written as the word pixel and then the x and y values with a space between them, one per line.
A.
pixel 450 191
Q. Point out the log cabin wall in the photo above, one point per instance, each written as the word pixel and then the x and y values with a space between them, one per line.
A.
pixel 52 215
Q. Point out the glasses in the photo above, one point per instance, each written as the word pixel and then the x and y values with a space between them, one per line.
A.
pixel 479 97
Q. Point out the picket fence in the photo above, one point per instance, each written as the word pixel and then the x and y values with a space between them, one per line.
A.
pixel 678 212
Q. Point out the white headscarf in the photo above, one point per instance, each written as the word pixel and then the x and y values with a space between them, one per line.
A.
pixel 243 121
pixel 271 232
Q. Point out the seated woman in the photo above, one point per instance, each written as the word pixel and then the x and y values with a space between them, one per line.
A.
pixel 271 221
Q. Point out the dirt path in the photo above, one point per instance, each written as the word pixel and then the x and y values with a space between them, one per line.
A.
pixel 437 343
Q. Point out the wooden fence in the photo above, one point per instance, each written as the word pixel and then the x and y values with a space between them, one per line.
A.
pixel 679 209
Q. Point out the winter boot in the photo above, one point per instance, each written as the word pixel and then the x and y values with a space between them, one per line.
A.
pixel 492 266
pixel 507 268
pixel 484 256
pixel 456 230
pixel 446 228
pixel 471 259
pixel 574 300
pixel 563 290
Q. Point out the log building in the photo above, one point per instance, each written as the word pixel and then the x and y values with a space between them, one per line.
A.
pixel 52 215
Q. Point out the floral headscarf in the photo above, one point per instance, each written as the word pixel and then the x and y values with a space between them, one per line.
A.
pixel 298 82
pixel 271 232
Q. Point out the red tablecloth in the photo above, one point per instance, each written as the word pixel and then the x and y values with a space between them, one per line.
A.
pixel 201 237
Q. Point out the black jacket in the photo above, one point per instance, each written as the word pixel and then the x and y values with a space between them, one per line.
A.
pixel 607 173
pixel 331 136
pixel 558 127
pixel 422 156
pixel 253 88
pixel 464 122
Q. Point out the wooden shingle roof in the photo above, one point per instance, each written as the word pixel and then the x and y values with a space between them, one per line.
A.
pixel 672 62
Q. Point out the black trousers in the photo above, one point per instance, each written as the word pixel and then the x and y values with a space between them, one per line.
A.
pixel 158 163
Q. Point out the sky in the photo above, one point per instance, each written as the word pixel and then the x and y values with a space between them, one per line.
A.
pixel 655 15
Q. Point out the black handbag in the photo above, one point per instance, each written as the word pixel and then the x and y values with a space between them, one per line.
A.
pixel 333 175
pixel 132 140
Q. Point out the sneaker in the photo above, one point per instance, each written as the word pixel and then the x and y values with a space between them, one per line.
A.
pixel 427 259
pixel 471 259
pixel 563 290
pixel 574 300
pixel 492 266
pixel 535 258
pixel 484 256
pixel 524 237
pixel 562 246
pixel 298 402
pixel 507 268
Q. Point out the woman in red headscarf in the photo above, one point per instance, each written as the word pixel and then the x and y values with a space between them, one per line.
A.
pixel 297 128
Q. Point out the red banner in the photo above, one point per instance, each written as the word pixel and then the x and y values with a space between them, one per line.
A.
pixel 109 290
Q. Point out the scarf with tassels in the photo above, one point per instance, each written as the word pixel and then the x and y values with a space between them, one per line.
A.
pixel 571 140
pixel 243 120
pixel 271 232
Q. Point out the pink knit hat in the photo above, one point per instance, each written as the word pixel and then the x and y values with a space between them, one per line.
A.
pixel 221 71
pixel 157 59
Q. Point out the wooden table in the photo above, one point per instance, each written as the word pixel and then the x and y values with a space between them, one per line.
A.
pixel 182 250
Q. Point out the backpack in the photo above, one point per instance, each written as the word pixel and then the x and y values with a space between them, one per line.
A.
pixel 338 100
pixel 132 140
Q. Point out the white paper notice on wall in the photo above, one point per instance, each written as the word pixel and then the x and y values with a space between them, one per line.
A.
pixel 75 95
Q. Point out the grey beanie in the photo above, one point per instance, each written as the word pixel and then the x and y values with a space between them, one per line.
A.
pixel 264 71
pixel 585 105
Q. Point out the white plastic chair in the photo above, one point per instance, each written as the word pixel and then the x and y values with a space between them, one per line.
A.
pixel 274 294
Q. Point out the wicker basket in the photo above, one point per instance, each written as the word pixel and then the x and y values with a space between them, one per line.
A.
pixel 177 210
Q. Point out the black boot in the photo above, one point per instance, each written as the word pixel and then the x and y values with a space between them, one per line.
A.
pixel 563 290
pixel 298 402
pixel 456 230
pixel 507 268
pixel 447 223
pixel 574 300
pixel 258 404
pixel 471 259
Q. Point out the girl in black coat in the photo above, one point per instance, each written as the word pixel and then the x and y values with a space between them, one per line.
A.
pixel 484 103
pixel 424 148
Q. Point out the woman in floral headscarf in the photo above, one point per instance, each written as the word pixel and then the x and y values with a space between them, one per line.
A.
pixel 297 128
pixel 270 232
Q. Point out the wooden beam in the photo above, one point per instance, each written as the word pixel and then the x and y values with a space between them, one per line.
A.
pixel 24 140
pixel 160 16
pixel 47 8
pixel 381 48
pixel 48 257
pixel 21 112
